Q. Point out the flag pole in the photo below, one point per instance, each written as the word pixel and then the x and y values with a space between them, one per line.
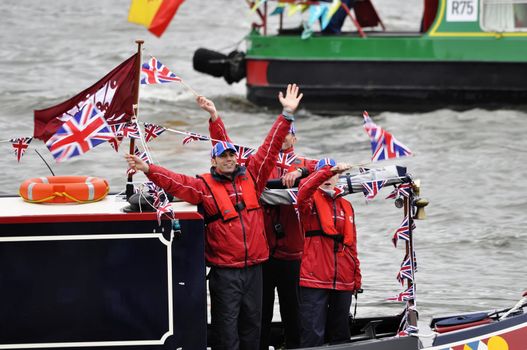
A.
pixel 129 184
pixel 189 88
pixel 412 312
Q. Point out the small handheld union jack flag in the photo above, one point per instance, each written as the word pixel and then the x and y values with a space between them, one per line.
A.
pixel 152 131
pixel 82 132
pixel 371 188
pixel 155 72
pixel 20 145
pixel 383 144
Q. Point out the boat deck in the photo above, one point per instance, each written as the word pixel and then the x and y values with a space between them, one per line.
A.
pixel 16 208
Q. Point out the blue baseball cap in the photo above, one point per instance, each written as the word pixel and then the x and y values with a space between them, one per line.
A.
pixel 221 147
pixel 325 161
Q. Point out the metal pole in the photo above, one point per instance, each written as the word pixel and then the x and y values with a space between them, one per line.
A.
pixel 129 184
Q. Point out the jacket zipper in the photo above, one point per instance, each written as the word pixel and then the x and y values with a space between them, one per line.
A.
pixel 241 222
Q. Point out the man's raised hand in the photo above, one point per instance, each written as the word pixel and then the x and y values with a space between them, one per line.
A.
pixel 208 106
pixel 340 168
pixel 292 98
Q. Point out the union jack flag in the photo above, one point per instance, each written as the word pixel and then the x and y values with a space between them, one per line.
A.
pixel 155 72
pixel 403 190
pixel 79 134
pixel 131 130
pixel 408 294
pixel 159 197
pixel 117 129
pixel 20 145
pixel 403 232
pixel 293 194
pixel 144 157
pixel 284 161
pixel 192 136
pixel 152 131
pixel 164 209
pixel 406 271
pixel 371 188
pixel 243 153
pixel 151 187
pixel 383 144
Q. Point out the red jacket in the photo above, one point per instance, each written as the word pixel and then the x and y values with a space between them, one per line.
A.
pixel 239 241
pixel 288 244
pixel 328 262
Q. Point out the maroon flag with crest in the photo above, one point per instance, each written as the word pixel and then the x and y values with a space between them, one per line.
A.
pixel 113 95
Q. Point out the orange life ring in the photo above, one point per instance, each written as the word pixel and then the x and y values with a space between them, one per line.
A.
pixel 64 189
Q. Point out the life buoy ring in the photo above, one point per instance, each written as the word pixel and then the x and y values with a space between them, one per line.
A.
pixel 64 189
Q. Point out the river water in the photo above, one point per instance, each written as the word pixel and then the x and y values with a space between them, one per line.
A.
pixel 471 250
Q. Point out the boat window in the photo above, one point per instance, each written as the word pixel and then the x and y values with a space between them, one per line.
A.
pixel 504 15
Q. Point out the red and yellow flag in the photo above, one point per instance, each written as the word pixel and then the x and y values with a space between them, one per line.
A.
pixel 153 14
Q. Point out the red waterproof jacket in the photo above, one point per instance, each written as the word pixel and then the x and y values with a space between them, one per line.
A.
pixel 239 241
pixel 330 258
pixel 282 228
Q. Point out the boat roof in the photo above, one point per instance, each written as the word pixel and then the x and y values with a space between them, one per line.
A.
pixel 16 210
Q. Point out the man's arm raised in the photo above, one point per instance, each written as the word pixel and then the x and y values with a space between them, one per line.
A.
pixel 264 159
pixel 186 188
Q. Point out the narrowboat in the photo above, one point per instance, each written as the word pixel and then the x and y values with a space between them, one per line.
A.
pixel 110 273
pixel 470 53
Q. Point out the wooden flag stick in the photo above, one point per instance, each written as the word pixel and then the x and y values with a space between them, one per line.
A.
pixel 189 88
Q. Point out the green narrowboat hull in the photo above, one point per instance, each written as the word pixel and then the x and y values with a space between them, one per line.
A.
pixel 452 63
pixel 389 72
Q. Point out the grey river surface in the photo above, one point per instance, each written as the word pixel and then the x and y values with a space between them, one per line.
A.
pixel 471 250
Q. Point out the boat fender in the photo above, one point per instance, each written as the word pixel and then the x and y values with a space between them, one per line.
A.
pixel 235 70
pixel 209 62
pixel 231 67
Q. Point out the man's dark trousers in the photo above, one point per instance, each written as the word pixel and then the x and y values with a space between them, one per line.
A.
pixel 284 276
pixel 236 307
pixel 324 315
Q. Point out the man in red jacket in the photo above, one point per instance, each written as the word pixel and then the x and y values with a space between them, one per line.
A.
pixel 330 270
pixel 284 235
pixel 235 244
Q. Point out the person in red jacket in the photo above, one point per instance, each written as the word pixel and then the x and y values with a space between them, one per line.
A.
pixel 235 244
pixel 284 235
pixel 330 270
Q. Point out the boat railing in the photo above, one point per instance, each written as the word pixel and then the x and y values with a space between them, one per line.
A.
pixel 363 15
